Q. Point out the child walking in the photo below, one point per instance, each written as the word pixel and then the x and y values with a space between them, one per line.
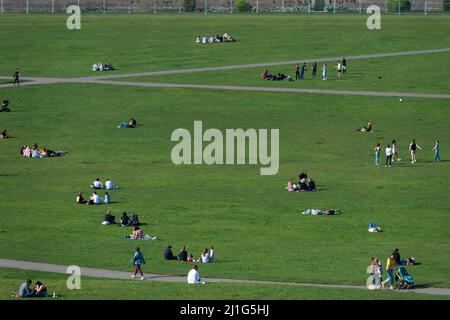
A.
pixel 137 261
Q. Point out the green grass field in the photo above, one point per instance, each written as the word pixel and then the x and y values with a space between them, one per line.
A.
pixel 256 227
pixel 97 289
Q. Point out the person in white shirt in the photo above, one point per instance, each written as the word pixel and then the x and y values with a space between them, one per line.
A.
pixel 193 276
pixel 94 67
pixel 339 70
pixel 205 256
pixel 97 184
pixel 198 40
pixel 95 198
pixel 388 155
pixel 204 39
pixel 109 185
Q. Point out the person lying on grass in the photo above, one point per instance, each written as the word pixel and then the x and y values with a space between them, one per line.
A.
pixel 131 124
pixel 366 129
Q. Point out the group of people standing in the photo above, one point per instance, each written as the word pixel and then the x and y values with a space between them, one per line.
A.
pixel 391 152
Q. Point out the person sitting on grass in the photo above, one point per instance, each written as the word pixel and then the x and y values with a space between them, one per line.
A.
pixel 124 220
pixel 80 199
pixel 109 218
pixel 227 37
pixel 265 74
pixel 25 291
pixel 4 134
pixel 168 254
pixel 311 185
pixel 190 258
pixel 109 185
pixel 134 220
pixel 35 152
pixel 94 199
pixel 97 184
pixel 5 106
pixel 137 233
pixel 205 256
pixel 107 198
pixel 290 186
pixel 194 277
pixel 40 290
pixel 366 129
pixel 198 40
pixel 183 255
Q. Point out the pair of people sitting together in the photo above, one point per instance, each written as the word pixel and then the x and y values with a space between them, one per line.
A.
pixel 218 38
pixel 131 124
pixel 305 184
pixel 5 106
pixel 25 290
pixel 36 152
pixel 107 186
pixel 94 199
pixel 138 234
pixel 102 67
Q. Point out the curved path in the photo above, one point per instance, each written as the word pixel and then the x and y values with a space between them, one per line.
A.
pixel 122 275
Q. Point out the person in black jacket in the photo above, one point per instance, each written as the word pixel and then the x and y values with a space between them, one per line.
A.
pixel 183 255
pixel 168 254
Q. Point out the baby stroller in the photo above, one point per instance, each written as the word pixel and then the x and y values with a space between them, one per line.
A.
pixel 406 281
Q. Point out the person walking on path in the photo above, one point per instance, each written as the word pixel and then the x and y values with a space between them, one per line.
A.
pixel 137 261
pixel 413 146
pixel 436 152
pixel 390 268
pixel 314 70
pixel 297 71
pixel 377 154
pixel 388 156
pixel 395 151
pixel 16 77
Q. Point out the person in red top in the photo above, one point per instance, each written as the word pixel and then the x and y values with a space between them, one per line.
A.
pixel 265 74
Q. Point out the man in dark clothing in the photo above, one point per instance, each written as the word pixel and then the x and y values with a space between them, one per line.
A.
pixel 314 70
pixel 16 77
pixel 297 71
pixel 168 254
pixel 302 71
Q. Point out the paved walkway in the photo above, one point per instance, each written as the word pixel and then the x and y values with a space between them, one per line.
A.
pixel 104 79
pixel 272 89
pixel 111 274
